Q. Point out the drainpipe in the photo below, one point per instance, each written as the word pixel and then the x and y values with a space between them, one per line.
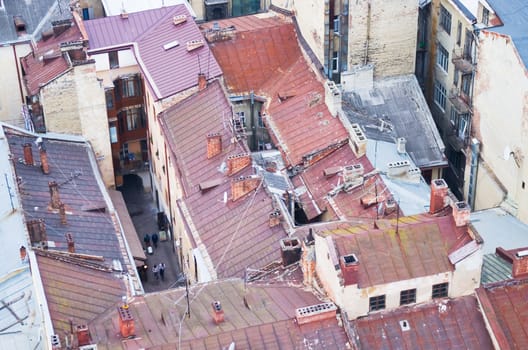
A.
pixel 365 61
pixel 475 150
pixel 254 143
pixel 327 42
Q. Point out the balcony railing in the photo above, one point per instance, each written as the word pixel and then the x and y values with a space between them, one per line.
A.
pixel 463 61
pixel 460 101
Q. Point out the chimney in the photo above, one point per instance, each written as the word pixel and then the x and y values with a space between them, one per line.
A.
pixel 54 193
pixel 62 213
pixel 438 195
pixel 237 163
pixel 126 321
pixel 23 253
pixel 55 342
pixel 243 185
pixel 218 313
pixel 461 213
pixel 202 81
pixel 315 313
pixel 28 154
pixel 400 145
pixel 349 269
pixel 332 97
pixel 44 161
pixel 359 140
pixel 83 335
pixel 290 250
pixel 71 243
pixel 520 264
pixel 274 218
pixel 214 145
pixel 60 26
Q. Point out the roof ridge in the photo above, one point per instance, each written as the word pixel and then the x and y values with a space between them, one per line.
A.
pixel 170 11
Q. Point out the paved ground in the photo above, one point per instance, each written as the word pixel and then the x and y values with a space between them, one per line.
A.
pixel 143 212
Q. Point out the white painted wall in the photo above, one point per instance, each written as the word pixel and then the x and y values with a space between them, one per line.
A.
pixel 310 16
pixel 101 61
pixel 500 121
pixel 10 98
pixel 126 58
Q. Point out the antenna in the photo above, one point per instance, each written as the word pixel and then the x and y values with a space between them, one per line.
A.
pixel 397 216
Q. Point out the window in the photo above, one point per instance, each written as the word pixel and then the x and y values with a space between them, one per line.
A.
pixel 462 128
pixel 336 25
pixel 440 290
pixel 129 87
pixel 455 77
pixel 242 117
pixel 260 121
pixel 134 119
pixel 468 43
pixel 109 95
pixel 485 16
pixel 440 95
pixel 466 84
pixel 335 61
pixel 442 58
pixel 453 118
pixel 88 13
pixel 113 133
pixel 113 59
pixel 407 296
pixel 459 33
pixel 445 19
pixel 377 303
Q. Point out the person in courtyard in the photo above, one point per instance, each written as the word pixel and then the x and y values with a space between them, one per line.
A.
pixel 155 239
pixel 161 268
pixel 146 239
pixel 155 270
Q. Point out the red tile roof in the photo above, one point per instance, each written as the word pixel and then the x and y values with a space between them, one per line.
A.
pixel 40 70
pixel 236 234
pixel 446 324
pixel 505 306
pixel 420 248
pixel 77 293
pixel 256 317
pixel 166 71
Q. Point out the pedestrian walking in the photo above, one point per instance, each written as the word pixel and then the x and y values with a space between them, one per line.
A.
pixel 161 268
pixel 146 239
pixel 155 239
pixel 155 270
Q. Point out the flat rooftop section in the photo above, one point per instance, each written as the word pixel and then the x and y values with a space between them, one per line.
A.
pixel 259 316
pixel 445 324
pixel 514 16
pixel 400 104
pixel 492 224
pixel 411 196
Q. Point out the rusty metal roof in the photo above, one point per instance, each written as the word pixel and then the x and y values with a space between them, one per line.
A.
pixel 167 71
pixel 257 316
pixel 446 324
pixel 236 234
pixel 47 61
pixel 421 247
pixel 505 307
pixel 77 293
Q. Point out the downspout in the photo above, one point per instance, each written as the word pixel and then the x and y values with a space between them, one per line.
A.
pixel 343 65
pixel 365 60
pixel 254 143
pixel 169 229
pixel 18 74
pixel 475 151
pixel 327 42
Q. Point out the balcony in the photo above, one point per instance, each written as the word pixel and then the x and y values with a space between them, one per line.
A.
pixel 463 61
pixel 460 101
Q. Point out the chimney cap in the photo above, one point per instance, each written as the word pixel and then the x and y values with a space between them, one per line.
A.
pixel 522 254
pixel 350 259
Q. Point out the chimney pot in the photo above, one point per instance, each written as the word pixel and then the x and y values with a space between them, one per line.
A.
pixel 71 243
pixel 218 313
pixel 54 193
pixel 290 250
pixel 461 212
pixel 202 81
pixel 28 154
pixel 520 264
pixel 83 335
pixel 438 195
pixel 23 253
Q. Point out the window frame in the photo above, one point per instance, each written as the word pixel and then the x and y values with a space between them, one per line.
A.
pixel 445 19
pixel 134 119
pixel 377 303
pixel 442 58
pixel 408 296
pixel 459 34
pixel 485 15
pixel 440 290
pixel 113 59
pixel 335 61
pixel 112 130
pixel 440 95
pixel 109 97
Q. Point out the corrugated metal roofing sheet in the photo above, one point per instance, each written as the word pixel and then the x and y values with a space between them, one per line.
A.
pixel 166 71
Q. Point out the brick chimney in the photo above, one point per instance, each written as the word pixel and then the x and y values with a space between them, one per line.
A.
pixel 62 213
pixel 520 264
pixel 290 250
pixel 71 243
pixel 202 81
pixel 44 161
pixel 349 269
pixel 218 313
pixel 214 145
pixel 237 163
pixel 438 195
pixel 461 213
pixel 83 335
pixel 28 154
pixel 126 321
pixel 54 193
pixel 243 185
